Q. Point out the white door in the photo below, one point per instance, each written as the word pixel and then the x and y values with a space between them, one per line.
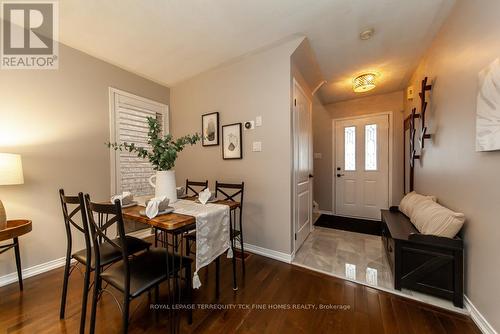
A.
pixel 362 166
pixel 302 124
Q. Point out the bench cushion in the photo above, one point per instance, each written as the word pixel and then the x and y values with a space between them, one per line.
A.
pixel 410 203
pixel 433 218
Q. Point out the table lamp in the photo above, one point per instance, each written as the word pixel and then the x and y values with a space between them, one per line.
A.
pixel 11 172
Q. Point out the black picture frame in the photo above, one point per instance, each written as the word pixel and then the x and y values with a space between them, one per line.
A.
pixel 204 138
pixel 236 130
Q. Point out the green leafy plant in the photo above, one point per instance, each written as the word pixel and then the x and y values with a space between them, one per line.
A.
pixel 164 150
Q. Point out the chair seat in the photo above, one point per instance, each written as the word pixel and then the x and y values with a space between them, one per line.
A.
pixel 110 254
pixel 146 270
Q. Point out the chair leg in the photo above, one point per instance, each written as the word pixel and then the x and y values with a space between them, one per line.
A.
pixel 188 247
pixel 65 287
pixel 156 238
pixel 86 284
pixel 18 263
pixel 189 293
pixel 97 288
pixel 217 277
pixel 242 250
pixel 157 300
pixel 126 304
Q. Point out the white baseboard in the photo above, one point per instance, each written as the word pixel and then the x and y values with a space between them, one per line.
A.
pixel 478 318
pixel 280 256
pixel 325 212
pixel 32 271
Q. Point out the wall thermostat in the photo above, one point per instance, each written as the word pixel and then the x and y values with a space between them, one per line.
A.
pixel 249 125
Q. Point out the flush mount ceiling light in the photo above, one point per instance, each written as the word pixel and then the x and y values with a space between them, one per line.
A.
pixel 364 82
pixel 366 34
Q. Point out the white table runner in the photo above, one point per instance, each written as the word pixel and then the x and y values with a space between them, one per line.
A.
pixel 212 232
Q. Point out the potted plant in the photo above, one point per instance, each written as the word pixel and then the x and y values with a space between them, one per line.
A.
pixel 162 156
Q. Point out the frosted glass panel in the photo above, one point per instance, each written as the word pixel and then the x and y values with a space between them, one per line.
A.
pixel 371 147
pixel 350 148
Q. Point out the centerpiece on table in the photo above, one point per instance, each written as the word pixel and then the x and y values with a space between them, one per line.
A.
pixel 162 156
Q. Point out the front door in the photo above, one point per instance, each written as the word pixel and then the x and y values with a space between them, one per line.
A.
pixel 362 166
pixel 302 134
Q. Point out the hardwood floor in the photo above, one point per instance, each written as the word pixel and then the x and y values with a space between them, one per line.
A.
pixel 268 283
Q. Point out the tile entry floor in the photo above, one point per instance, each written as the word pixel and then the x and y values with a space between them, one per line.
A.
pixel 356 257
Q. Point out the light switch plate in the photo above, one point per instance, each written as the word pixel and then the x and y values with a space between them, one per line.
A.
pixel 257 146
pixel 318 155
pixel 258 121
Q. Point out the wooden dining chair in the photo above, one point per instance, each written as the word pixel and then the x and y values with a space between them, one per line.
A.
pixel 134 274
pixel 71 207
pixel 195 187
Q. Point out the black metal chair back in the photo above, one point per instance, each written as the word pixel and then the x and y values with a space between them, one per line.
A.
pixel 199 184
pixel 77 205
pixel 101 218
pixel 230 191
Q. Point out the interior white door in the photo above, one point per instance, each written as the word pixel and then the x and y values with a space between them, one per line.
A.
pixel 302 123
pixel 362 166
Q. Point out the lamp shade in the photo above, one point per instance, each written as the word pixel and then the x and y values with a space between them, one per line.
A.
pixel 11 169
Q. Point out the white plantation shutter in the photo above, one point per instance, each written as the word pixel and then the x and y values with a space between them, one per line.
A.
pixel 129 124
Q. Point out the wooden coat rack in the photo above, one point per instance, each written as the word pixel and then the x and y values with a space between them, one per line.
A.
pixel 410 125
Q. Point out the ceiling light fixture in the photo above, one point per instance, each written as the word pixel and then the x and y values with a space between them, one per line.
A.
pixel 364 82
pixel 366 34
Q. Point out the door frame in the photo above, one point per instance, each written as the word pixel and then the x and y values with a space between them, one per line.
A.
pixel 334 153
pixel 295 83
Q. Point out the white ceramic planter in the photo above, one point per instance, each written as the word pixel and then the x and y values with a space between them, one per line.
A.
pixel 164 184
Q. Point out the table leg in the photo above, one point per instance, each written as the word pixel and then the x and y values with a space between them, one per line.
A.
pixel 164 235
pixel 18 263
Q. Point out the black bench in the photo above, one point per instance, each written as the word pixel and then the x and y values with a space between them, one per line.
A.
pixel 425 263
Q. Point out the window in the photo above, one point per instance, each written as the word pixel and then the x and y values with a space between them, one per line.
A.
pixel 350 148
pixel 129 124
pixel 371 147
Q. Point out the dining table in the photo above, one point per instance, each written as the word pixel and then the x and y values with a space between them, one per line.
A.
pixel 173 226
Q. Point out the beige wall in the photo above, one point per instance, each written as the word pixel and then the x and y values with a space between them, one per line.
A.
pixel 58 120
pixel 322 143
pixel 463 179
pixel 322 129
pixel 256 85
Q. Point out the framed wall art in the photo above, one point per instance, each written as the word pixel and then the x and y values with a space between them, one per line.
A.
pixel 210 129
pixel 232 147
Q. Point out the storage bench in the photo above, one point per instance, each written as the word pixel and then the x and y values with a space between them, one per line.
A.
pixel 425 263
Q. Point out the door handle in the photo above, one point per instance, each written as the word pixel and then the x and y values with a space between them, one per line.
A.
pixel 311 176
pixel 340 175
